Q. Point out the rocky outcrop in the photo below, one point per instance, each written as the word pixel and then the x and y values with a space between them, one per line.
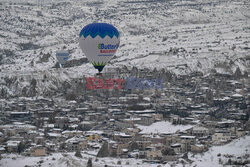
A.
pixel 57 65
pixel 75 62
pixel 30 91
pixel 44 58
pixel 27 46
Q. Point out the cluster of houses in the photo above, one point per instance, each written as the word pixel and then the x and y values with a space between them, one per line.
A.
pixel 216 108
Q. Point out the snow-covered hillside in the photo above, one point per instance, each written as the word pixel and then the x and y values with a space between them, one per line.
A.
pixel 181 36
pixel 216 156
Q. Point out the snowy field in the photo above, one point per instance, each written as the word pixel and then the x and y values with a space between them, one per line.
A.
pixel 236 148
pixel 181 36
pixel 64 160
pixel 163 127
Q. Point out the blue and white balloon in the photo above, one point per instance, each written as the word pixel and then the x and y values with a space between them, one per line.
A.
pixel 99 42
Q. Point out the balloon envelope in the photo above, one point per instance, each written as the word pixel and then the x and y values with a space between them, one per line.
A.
pixel 62 57
pixel 99 42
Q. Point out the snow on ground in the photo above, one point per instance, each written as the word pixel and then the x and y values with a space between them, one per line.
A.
pixel 68 160
pixel 163 127
pixel 179 36
pixel 237 148
pixel 210 33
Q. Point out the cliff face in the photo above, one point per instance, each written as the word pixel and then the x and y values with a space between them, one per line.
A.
pixel 181 37
pixel 62 82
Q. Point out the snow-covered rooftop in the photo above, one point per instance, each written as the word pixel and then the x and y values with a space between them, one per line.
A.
pixel 163 127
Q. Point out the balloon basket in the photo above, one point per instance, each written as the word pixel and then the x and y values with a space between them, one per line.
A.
pixel 99 74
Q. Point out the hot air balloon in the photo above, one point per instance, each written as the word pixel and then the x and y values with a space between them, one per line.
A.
pixel 99 42
pixel 62 57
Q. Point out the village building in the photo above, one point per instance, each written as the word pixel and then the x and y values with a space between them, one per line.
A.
pixel 38 151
